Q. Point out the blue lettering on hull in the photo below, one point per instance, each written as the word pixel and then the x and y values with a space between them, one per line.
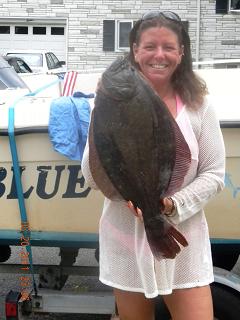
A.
pixel 75 181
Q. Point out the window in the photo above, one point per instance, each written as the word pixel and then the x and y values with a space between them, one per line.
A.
pixel 115 34
pixel 49 60
pixel 21 30
pixel 39 30
pixel 5 29
pixel 32 59
pixel 108 35
pixel 224 6
pixel 123 29
pixel 57 31
pixel 23 67
pixel 234 5
pixel 221 6
pixel 52 61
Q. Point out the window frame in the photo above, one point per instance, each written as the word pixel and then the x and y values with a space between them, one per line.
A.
pixel 52 61
pixel 25 56
pixel 55 28
pixel 35 28
pixel 118 23
pixel 17 28
pixel 8 28
pixel 230 7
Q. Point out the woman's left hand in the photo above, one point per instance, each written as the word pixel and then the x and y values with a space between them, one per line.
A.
pixel 168 206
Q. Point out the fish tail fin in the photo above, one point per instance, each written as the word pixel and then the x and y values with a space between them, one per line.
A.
pixel 164 239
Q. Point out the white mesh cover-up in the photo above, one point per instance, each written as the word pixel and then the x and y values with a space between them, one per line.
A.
pixel 126 261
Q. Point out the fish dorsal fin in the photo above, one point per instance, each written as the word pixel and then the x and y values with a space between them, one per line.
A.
pixel 98 173
pixel 182 151
pixel 182 161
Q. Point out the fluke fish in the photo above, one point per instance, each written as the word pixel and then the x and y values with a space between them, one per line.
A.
pixel 137 151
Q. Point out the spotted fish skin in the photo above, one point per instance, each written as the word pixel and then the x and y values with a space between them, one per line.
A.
pixel 140 149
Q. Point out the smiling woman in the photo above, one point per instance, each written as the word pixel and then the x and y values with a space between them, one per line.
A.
pixel 159 53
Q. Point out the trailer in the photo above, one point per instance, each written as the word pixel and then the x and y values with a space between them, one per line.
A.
pixel 62 211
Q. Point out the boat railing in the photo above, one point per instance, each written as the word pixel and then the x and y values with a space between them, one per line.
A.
pixel 217 64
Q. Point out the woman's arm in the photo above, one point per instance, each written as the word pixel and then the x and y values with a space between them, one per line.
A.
pixel 86 169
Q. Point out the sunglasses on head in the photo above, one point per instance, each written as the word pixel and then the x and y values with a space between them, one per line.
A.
pixel 166 14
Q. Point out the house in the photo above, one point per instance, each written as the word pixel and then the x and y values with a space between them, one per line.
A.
pixel 89 34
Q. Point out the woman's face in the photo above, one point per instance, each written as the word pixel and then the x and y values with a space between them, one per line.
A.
pixel 158 54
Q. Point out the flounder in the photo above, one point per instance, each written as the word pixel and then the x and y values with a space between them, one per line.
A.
pixel 137 151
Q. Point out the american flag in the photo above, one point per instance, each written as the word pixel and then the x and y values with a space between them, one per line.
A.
pixel 69 83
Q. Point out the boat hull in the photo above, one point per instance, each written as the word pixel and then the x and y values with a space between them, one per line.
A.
pixel 57 198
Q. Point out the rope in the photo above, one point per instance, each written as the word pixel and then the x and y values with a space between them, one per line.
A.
pixel 16 168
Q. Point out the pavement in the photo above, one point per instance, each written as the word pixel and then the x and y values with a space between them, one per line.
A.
pixel 74 284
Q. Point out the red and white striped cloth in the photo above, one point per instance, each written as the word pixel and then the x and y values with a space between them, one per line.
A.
pixel 69 83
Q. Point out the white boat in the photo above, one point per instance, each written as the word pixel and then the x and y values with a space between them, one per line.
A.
pixel 60 206
pixel 63 212
pixel 223 213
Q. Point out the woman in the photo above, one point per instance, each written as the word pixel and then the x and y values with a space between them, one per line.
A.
pixel 160 49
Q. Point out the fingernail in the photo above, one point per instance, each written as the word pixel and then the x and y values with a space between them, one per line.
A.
pixel 130 204
pixel 140 215
pixel 139 211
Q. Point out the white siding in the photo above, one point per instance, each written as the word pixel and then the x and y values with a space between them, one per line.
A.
pixel 85 24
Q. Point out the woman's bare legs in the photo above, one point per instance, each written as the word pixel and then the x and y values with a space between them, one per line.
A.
pixel 183 304
pixel 134 306
pixel 190 304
